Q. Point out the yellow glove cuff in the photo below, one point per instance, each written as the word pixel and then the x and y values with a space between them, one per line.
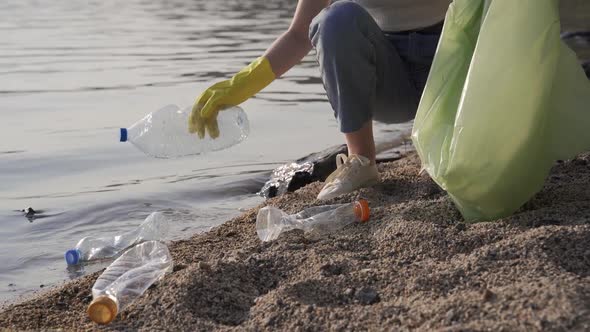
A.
pixel 256 76
pixel 243 85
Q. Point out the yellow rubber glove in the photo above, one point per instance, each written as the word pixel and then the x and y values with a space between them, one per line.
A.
pixel 245 84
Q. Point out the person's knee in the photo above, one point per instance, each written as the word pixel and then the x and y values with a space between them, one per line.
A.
pixel 333 26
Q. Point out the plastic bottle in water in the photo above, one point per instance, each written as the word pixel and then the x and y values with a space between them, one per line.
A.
pixel 318 220
pixel 164 133
pixel 89 248
pixel 127 278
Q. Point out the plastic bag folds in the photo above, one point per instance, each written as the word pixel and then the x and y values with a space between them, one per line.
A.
pixel 505 98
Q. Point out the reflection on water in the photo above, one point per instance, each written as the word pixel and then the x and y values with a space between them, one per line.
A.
pixel 85 47
pixel 60 46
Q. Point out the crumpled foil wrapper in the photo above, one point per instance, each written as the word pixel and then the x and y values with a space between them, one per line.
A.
pixel 281 178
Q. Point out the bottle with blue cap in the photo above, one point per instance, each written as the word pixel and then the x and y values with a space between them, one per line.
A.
pixel 155 227
pixel 127 278
pixel 165 134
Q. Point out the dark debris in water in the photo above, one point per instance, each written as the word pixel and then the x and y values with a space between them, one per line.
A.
pixel 30 213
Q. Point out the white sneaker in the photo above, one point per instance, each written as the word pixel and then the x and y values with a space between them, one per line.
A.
pixel 352 172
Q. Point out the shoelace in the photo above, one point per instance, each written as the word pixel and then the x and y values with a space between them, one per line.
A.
pixel 341 159
pixel 344 165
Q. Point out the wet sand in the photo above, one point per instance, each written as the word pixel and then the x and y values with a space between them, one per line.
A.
pixel 415 265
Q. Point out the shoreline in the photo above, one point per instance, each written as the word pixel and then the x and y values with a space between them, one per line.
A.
pixel 414 265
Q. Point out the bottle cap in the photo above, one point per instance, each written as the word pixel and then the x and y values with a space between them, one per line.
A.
pixel 123 137
pixel 361 210
pixel 72 256
pixel 102 310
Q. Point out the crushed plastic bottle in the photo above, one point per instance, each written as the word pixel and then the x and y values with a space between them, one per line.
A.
pixel 127 278
pixel 155 227
pixel 164 133
pixel 318 220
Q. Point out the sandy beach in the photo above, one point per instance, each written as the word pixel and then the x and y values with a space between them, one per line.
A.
pixel 414 266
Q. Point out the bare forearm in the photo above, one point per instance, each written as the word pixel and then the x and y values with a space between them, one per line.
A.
pixel 294 44
pixel 287 51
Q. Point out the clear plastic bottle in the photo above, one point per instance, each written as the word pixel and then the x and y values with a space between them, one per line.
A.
pixel 154 227
pixel 127 278
pixel 320 220
pixel 164 133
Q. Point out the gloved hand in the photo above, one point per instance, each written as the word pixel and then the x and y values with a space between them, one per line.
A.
pixel 245 84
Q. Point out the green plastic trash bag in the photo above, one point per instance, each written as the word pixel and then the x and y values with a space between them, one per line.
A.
pixel 505 98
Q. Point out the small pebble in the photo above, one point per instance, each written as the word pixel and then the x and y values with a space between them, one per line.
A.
pixel 488 295
pixel 367 295
pixel 204 266
pixel 349 292
pixel 330 269
pixel 492 253
pixel 178 267
pixel 451 316
pixel 269 321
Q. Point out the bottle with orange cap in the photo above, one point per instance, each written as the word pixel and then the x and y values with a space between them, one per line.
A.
pixel 319 220
pixel 127 278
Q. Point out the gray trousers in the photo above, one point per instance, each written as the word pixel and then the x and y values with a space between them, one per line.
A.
pixel 368 73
